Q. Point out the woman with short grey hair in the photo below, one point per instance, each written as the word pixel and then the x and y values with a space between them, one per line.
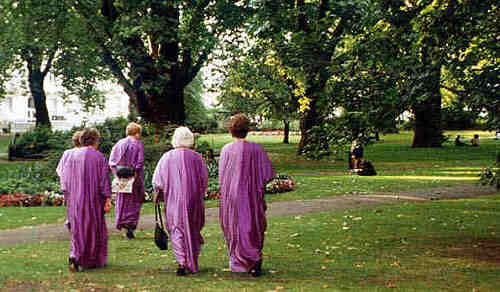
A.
pixel 181 179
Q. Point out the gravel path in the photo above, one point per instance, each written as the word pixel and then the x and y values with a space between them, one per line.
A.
pixel 288 208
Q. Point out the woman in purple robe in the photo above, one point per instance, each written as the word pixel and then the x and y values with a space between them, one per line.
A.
pixel 244 170
pixel 60 166
pixel 129 152
pixel 182 177
pixel 87 181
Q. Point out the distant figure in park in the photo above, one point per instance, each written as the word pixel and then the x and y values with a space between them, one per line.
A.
pixel 244 170
pixel 129 153
pixel 475 141
pixel 356 154
pixel 458 142
pixel 86 179
pixel 181 179
pixel 75 140
pixel 366 168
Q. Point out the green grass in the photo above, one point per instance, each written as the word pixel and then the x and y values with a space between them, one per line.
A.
pixel 443 245
pixel 399 168
pixel 4 143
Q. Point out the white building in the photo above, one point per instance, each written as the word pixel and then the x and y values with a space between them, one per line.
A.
pixel 17 108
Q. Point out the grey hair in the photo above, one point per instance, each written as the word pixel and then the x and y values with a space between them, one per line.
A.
pixel 183 137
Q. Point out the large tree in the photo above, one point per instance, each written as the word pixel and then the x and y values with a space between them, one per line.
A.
pixel 309 36
pixel 43 37
pixel 431 36
pixel 257 84
pixel 156 48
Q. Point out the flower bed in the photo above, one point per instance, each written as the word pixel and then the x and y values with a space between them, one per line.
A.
pixel 280 184
pixel 24 200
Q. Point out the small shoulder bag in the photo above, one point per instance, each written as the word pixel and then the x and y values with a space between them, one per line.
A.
pixel 124 171
pixel 161 238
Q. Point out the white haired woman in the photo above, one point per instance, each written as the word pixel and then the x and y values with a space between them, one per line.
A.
pixel 181 177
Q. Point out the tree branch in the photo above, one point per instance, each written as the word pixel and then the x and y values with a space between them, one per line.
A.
pixel 49 62
pixel 196 68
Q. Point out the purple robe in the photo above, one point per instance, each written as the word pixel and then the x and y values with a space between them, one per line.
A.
pixel 129 152
pixel 88 183
pixel 182 176
pixel 60 168
pixel 244 169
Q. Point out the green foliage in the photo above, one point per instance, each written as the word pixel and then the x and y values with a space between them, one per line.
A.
pixel 455 117
pixel 37 142
pixel 197 117
pixel 30 179
pixel 59 48
pixel 491 175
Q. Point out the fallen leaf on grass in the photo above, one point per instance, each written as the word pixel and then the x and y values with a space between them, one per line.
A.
pixel 390 284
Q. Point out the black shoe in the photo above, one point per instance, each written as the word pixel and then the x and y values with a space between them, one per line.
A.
pixel 181 271
pixel 256 271
pixel 73 265
pixel 130 234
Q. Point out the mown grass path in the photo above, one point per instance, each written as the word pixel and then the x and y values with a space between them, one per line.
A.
pixel 34 234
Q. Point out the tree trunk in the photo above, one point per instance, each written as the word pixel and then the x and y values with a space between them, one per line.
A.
pixel 428 132
pixel 36 79
pixel 286 131
pixel 310 119
pixel 165 106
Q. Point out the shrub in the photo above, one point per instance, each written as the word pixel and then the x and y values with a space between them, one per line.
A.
pixel 491 175
pixel 36 143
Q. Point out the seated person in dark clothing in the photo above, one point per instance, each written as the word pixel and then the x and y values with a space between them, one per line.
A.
pixel 366 169
pixel 356 154
pixel 475 141
pixel 458 142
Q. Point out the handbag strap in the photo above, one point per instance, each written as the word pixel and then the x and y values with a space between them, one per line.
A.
pixel 158 214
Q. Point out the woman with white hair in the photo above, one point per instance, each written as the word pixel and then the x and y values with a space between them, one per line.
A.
pixel 181 178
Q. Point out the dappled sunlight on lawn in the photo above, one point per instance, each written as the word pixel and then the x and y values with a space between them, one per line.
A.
pixel 429 178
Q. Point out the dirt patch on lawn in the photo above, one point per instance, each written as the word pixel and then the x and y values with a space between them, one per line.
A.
pixel 477 249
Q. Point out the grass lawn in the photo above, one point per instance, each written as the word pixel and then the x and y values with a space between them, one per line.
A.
pixel 399 168
pixel 4 146
pixel 4 143
pixel 435 246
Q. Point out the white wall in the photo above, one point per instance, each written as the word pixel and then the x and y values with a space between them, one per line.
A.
pixel 64 114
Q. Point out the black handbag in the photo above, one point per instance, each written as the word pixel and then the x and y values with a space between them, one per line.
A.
pixel 161 238
pixel 125 171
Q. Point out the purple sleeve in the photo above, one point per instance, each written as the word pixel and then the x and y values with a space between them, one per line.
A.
pixel 140 157
pixel 115 156
pixel 222 164
pixel 60 165
pixel 157 176
pixel 204 176
pixel 105 184
pixel 266 167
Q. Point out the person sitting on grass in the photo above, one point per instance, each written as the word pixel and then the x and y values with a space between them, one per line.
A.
pixel 88 183
pixel 458 142
pixel 475 141
pixel 180 180
pixel 356 154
